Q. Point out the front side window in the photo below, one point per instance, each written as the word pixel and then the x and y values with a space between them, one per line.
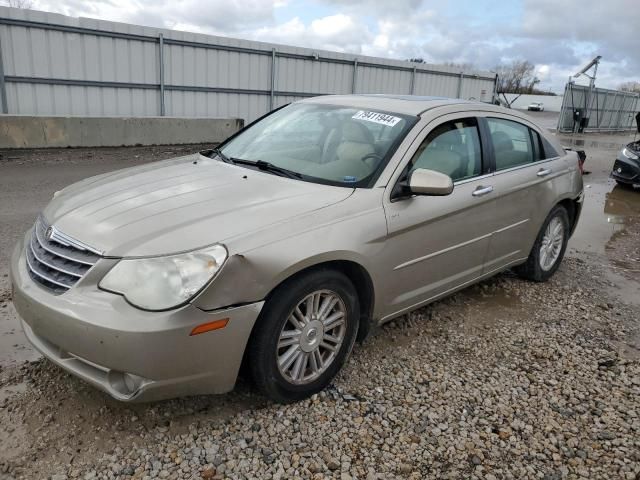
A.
pixel 511 143
pixel 325 143
pixel 452 148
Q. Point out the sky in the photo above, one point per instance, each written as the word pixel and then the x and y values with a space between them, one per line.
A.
pixel 557 36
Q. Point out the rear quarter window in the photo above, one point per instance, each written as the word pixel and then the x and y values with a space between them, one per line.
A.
pixel 548 150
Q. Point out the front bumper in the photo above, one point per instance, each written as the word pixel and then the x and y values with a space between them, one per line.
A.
pixel 131 354
pixel 626 170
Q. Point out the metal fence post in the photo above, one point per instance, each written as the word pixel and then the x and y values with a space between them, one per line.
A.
pixel 563 108
pixel 613 106
pixel 354 79
pixel 460 85
pixel 273 78
pixel 161 54
pixel 413 80
pixel 3 86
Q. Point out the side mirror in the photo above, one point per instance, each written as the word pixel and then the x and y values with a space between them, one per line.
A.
pixel 429 182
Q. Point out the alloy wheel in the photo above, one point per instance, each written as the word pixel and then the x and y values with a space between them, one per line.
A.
pixel 311 337
pixel 551 245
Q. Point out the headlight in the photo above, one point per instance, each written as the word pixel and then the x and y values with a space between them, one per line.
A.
pixel 629 154
pixel 161 283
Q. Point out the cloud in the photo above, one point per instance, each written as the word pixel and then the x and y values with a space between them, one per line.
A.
pixel 335 32
pixel 220 16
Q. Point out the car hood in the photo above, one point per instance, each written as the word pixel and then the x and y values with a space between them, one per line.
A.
pixel 179 205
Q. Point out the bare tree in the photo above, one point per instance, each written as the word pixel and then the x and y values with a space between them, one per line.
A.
pixel 20 3
pixel 516 77
pixel 630 87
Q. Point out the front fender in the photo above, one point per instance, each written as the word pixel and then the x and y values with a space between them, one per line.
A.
pixel 339 233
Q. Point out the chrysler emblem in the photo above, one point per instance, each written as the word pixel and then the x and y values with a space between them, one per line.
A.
pixel 49 233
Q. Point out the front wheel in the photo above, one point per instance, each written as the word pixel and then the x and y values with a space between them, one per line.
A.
pixel 549 247
pixel 304 335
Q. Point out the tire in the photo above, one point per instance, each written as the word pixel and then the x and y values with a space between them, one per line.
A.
pixel 533 268
pixel 268 363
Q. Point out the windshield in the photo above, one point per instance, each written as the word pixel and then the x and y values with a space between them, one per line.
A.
pixel 325 143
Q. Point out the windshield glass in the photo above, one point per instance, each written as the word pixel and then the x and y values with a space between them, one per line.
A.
pixel 325 143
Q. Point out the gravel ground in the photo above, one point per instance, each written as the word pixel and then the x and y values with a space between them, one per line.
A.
pixel 507 379
pixel 504 380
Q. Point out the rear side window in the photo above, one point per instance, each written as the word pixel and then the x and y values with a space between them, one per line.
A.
pixel 452 148
pixel 511 143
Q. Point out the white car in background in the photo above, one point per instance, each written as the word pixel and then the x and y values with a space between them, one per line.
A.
pixel 536 107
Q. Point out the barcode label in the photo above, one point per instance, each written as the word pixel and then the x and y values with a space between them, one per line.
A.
pixel 375 117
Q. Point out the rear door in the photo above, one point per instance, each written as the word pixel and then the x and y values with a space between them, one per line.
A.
pixel 436 243
pixel 525 185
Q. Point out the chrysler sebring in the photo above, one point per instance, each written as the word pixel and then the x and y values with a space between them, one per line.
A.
pixel 289 241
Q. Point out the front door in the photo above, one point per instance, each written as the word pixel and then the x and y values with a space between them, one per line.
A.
pixel 437 243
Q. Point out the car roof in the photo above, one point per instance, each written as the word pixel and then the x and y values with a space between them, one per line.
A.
pixel 403 104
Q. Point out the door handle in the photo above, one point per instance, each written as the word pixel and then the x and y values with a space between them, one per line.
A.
pixel 543 172
pixel 478 192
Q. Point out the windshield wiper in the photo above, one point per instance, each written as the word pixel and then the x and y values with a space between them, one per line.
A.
pixel 222 156
pixel 269 167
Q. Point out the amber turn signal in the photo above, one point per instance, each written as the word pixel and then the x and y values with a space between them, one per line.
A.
pixel 207 327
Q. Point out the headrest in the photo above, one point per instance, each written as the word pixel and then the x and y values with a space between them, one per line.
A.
pixel 502 142
pixel 356 132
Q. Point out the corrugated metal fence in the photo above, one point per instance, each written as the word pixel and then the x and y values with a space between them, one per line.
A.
pixel 598 110
pixel 52 64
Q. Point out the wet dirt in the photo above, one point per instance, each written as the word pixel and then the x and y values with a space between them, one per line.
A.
pixel 608 232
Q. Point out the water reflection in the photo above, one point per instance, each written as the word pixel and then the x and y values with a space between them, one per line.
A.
pixel 622 206
pixel 608 209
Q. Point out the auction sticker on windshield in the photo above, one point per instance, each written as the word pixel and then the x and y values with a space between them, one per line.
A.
pixel 375 117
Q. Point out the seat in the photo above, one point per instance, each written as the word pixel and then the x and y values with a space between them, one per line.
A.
pixel 441 155
pixel 506 155
pixel 345 148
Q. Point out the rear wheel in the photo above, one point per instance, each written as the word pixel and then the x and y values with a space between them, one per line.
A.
pixel 304 335
pixel 549 247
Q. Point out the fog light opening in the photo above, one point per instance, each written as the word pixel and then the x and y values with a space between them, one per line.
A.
pixel 125 384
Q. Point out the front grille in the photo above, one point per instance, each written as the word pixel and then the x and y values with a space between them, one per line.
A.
pixel 57 262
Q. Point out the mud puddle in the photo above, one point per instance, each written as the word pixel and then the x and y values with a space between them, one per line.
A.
pixel 583 143
pixel 608 210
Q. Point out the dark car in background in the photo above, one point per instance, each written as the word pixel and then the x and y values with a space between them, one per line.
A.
pixel 626 168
